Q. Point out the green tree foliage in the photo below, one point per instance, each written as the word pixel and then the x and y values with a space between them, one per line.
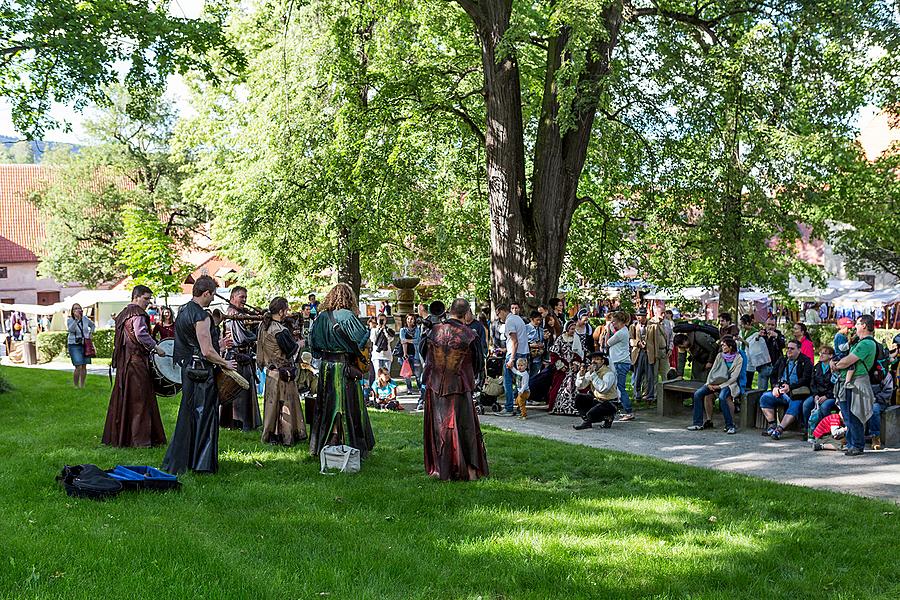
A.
pixel 686 117
pixel 90 192
pixel 149 256
pixel 70 51
pixel 866 202
pixel 332 152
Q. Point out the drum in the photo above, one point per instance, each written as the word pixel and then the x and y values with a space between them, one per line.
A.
pixel 229 385
pixel 166 374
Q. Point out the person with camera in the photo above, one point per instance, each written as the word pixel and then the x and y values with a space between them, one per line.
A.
pixel 775 344
pixel 793 377
pixel 596 390
pixel 381 337
pixel 81 347
pixel 133 419
pixel 195 443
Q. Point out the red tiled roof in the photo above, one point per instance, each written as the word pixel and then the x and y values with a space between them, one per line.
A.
pixel 22 231
pixel 21 226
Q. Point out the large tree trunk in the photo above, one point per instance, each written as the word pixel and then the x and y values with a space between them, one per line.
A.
pixel 529 235
pixel 348 267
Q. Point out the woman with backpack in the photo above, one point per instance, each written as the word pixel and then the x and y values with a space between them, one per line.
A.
pixel 80 343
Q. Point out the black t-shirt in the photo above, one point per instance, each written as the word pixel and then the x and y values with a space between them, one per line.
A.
pixel 186 344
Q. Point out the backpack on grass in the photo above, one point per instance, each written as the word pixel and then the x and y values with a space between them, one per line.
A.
pixel 88 481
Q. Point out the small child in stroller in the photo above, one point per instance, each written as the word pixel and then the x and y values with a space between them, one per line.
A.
pixel 492 392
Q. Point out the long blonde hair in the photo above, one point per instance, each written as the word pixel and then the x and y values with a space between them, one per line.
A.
pixel 341 296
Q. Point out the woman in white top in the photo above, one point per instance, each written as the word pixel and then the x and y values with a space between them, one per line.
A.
pixel 80 329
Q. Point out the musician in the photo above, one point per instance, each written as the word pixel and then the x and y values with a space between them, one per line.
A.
pixel 195 443
pixel 454 447
pixel 276 352
pixel 243 412
pixel 133 419
pixel 338 415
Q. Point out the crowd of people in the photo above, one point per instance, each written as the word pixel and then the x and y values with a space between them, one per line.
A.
pixel 576 369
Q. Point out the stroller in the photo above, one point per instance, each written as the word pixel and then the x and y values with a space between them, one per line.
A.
pixel 491 392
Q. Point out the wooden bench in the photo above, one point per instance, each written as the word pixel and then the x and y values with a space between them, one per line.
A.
pixel 670 401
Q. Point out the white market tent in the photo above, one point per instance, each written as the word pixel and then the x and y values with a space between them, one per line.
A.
pixel 850 299
pixel 833 289
pixel 866 301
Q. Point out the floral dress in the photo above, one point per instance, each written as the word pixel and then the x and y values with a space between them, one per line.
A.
pixel 562 393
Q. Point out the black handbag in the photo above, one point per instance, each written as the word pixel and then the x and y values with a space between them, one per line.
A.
pixel 198 370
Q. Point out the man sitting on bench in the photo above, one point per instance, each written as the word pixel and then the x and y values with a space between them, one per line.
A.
pixel 792 376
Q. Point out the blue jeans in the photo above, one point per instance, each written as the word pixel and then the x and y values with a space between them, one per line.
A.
pixel 724 395
pixel 508 380
pixel 793 407
pixel 824 409
pixel 856 429
pixel 765 375
pixel 622 369
pixel 875 420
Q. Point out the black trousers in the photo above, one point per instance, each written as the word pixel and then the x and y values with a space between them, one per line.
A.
pixel 594 410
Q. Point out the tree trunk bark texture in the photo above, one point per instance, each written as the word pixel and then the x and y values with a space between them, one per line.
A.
pixel 529 233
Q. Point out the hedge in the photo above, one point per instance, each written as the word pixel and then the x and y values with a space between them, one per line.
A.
pixel 52 344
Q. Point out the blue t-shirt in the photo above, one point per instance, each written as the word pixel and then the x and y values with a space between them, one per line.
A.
pixel 384 392
pixel 791 372
pixel 841 346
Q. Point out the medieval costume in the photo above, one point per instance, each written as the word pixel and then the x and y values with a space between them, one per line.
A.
pixel 275 353
pixel 454 447
pixel 566 350
pixel 195 443
pixel 243 412
pixel 133 417
pixel 338 412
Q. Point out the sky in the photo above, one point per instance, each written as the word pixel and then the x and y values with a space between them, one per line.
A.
pixel 178 93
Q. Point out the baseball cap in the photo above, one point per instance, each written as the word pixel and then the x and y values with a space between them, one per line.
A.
pixel 846 322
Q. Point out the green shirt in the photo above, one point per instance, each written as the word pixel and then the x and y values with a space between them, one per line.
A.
pixel 865 351
pixel 323 338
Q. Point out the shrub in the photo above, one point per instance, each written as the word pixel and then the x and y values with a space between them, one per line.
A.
pixel 50 344
pixel 103 342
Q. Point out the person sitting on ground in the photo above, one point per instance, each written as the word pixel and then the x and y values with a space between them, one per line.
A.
pixel 596 390
pixel 821 402
pixel 801 334
pixel 520 371
pixel 830 433
pixel 701 348
pixel 384 394
pixel 792 376
pixel 724 380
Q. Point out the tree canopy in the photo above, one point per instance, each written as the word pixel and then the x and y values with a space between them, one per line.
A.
pixel 70 51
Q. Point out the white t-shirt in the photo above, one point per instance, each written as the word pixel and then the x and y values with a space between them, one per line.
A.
pixel 515 324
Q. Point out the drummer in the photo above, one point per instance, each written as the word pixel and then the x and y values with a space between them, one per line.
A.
pixel 133 418
pixel 195 443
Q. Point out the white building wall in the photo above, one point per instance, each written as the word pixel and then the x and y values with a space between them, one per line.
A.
pixel 22 284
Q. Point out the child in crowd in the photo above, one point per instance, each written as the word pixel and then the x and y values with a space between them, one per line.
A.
pixel 830 433
pixel 521 373
pixel 307 376
pixel 384 394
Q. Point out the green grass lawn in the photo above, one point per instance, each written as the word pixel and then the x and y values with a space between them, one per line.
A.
pixel 553 521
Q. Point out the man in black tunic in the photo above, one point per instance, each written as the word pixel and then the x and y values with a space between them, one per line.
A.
pixel 195 443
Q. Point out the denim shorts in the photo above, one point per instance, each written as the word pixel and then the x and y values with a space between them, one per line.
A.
pixel 76 352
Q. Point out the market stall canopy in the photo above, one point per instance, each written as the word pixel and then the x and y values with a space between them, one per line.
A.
pixel 832 290
pixel 31 309
pixel 880 298
pixel 850 299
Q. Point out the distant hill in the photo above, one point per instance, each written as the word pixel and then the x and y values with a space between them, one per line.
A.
pixel 14 150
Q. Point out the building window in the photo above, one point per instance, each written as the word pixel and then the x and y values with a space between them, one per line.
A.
pixel 3 273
